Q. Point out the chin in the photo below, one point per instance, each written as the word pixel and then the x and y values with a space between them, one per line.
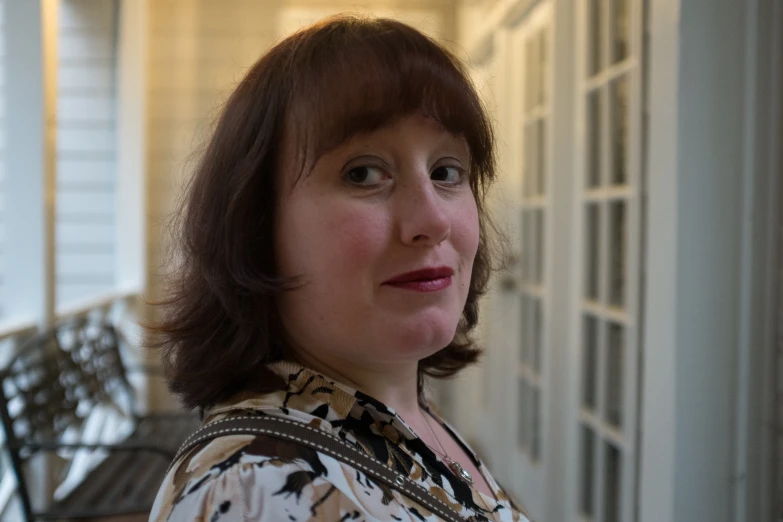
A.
pixel 425 336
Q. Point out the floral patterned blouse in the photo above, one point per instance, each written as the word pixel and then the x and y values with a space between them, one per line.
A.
pixel 258 479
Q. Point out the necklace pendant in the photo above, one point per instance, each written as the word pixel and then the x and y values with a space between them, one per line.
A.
pixel 460 472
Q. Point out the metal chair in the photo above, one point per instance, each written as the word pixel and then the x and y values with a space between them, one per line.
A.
pixel 48 393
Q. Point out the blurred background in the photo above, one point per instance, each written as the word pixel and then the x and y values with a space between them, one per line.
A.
pixel 634 365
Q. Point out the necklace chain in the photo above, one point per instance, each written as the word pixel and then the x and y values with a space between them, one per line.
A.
pixel 455 466
pixel 444 454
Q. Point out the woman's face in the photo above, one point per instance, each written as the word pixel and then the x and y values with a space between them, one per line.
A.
pixel 382 233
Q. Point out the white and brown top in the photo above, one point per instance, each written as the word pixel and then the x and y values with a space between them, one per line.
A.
pixel 260 479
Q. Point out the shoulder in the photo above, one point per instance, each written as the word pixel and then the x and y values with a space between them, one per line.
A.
pixel 232 478
pixel 260 479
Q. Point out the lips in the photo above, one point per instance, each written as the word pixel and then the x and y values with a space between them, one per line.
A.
pixel 425 280
pixel 426 274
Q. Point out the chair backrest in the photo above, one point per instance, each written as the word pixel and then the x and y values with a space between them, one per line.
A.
pixel 53 384
pixel 41 391
pixel 93 345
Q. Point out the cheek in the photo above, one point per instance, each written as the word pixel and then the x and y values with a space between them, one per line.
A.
pixel 466 240
pixel 329 242
pixel 355 230
pixel 466 231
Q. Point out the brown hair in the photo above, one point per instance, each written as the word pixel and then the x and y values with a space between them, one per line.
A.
pixel 219 324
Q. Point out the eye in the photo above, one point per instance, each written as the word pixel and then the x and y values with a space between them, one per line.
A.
pixel 451 175
pixel 364 175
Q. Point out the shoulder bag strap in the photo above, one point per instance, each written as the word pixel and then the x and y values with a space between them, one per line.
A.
pixel 323 442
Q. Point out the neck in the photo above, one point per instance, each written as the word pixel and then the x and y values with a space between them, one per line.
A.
pixel 394 385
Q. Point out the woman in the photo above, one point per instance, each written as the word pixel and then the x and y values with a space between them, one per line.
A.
pixel 334 251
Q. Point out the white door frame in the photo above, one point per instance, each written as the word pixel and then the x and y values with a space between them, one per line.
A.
pixel 704 305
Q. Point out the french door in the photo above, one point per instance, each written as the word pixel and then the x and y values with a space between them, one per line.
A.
pixel 606 294
pixel 593 395
pixel 528 299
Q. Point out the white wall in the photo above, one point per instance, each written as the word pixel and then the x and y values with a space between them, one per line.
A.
pixel 197 51
pixel 86 155
pixel 2 149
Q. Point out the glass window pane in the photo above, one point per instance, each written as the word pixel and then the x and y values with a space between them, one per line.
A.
pixel 542 67
pixel 535 440
pixel 527 246
pixel 614 374
pixel 594 30
pixel 521 236
pixel 620 29
pixel 535 77
pixel 517 260
pixel 522 412
pixel 618 252
pixel 541 157
pixel 524 329
pixel 525 77
pixel 531 74
pixel 590 361
pixel 586 478
pixel 612 484
pixel 619 108
pixel 539 245
pixel 531 160
pixel 525 162
pixel 537 329
pixel 592 250
pixel 594 107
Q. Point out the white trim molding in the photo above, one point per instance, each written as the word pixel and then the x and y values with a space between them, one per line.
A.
pixel 130 225
pixel 31 69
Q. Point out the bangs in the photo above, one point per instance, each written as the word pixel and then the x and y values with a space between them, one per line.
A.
pixel 358 75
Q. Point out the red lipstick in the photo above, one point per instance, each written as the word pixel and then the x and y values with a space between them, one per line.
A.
pixel 425 280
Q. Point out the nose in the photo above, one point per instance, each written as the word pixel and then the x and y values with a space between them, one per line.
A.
pixel 422 216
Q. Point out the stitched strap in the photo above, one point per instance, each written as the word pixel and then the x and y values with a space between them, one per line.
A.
pixel 322 442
